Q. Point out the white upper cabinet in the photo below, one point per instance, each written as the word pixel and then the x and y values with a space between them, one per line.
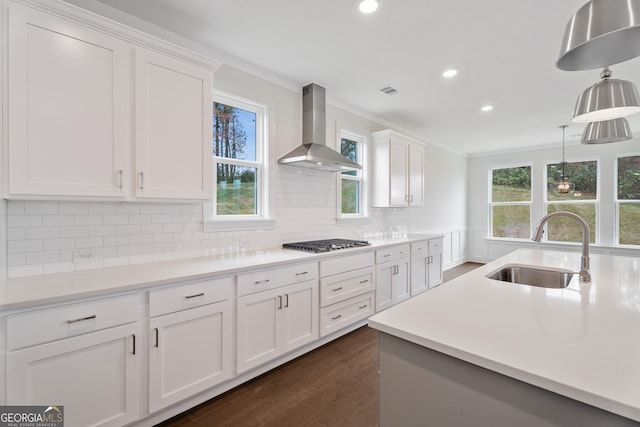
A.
pixel 398 175
pixel 85 95
pixel 173 128
pixel 68 102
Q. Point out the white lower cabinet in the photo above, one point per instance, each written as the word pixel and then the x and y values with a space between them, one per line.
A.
pixel 95 375
pixel 189 350
pixel 426 265
pixel 392 276
pixel 346 291
pixel 274 322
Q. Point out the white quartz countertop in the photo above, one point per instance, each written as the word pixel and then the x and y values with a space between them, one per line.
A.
pixel 31 291
pixel 581 342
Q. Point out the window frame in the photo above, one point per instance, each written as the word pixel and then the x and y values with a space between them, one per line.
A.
pixel 618 202
pixel 361 176
pixel 596 202
pixel 491 203
pixel 261 219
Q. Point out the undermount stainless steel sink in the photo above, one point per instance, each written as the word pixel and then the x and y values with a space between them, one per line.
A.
pixel 533 276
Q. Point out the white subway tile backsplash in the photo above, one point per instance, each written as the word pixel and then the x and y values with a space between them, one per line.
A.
pixel 24 221
pixel 43 235
pixel 103 230
pixel 75 231
pixel 73 209
pixel 42 257
pixel 57 220
pixel 88 220
pixel 102 208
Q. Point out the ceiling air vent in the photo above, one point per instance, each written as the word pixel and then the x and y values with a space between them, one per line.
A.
pixel 389 90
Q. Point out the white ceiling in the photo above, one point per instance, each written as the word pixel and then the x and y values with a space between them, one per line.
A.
pixel 505 51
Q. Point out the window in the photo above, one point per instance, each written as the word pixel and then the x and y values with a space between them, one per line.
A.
pixel 583 200
pixel 350 183
pixel 239 156
pixel 628 200
pixel 511 202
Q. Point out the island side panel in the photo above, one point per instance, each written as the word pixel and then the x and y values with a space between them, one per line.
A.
pixel 422 387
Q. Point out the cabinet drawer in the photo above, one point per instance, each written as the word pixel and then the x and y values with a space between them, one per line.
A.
pixel 189 295
pixel 340 287
pixel 50 324
pixel 343 264
pixel 420 249
pixel 391 254
pixel 346 313
pixel 263 280
pixel 435 246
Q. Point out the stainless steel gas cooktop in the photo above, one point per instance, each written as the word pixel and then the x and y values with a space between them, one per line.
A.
pixel 325 245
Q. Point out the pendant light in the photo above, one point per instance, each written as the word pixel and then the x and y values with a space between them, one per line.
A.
pixel 564 186
pixel 601 33
pixel 607 99
pixel 607 131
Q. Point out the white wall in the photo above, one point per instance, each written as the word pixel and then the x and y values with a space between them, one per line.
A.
pixel 484 249
pixel 445 208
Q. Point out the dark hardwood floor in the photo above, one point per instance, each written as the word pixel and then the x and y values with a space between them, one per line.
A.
pixel 334 385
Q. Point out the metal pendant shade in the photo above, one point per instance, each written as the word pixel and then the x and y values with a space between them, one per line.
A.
pixel 607 131
pixel 608 99
pixel 601 33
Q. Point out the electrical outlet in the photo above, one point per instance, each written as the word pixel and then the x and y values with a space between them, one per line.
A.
pixel 84 255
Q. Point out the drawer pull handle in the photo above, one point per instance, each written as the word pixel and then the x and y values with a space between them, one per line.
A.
pixel 337 289
pixel 93 316
pixel 286 300
pixel 279 302
pixel 201 294
pixel 157 341
pixel 336 317
pixel 134 343
pixel 364 281
pixel 386 255
pixel 261 281
pixel 363 306
pixel 302 274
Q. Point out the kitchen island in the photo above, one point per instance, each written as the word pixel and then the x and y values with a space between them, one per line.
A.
pixel 485 352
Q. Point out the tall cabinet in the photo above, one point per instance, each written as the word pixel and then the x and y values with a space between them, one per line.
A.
pixel 398 163
pixel 97 110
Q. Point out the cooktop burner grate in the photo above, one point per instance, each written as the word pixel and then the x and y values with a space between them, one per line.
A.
pixel 325 245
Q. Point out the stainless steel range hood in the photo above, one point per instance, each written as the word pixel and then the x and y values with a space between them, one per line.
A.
pixel 313 153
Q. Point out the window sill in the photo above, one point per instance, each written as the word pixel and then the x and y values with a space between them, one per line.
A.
pixel 239 225
pixel 353 220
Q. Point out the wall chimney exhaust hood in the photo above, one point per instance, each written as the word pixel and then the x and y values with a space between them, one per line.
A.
pixel 313 153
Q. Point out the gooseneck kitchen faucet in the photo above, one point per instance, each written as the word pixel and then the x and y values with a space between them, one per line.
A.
pixel 585 275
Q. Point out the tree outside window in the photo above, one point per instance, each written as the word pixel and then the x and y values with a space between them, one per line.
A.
pixel 237 153
pixel 628 200
pixel 350 182
pixel 511 202
pixel 582 201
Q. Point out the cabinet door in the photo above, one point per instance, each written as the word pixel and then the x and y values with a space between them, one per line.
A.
pixel 68 102
pixel 435 270
pixel 419 275
pixel 190 351
pixel 400 284
pixel 398 167
pixel 96 377
pixel 173 128
pixel 416 175
pixel 300 311
pixel 258 332
pixel 384 279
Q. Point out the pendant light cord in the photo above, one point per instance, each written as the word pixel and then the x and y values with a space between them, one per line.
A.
pixel 563 161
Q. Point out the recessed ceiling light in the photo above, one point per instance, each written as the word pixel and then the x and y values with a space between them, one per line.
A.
pixel 487 108
pixel 368 6
pixel 450 73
